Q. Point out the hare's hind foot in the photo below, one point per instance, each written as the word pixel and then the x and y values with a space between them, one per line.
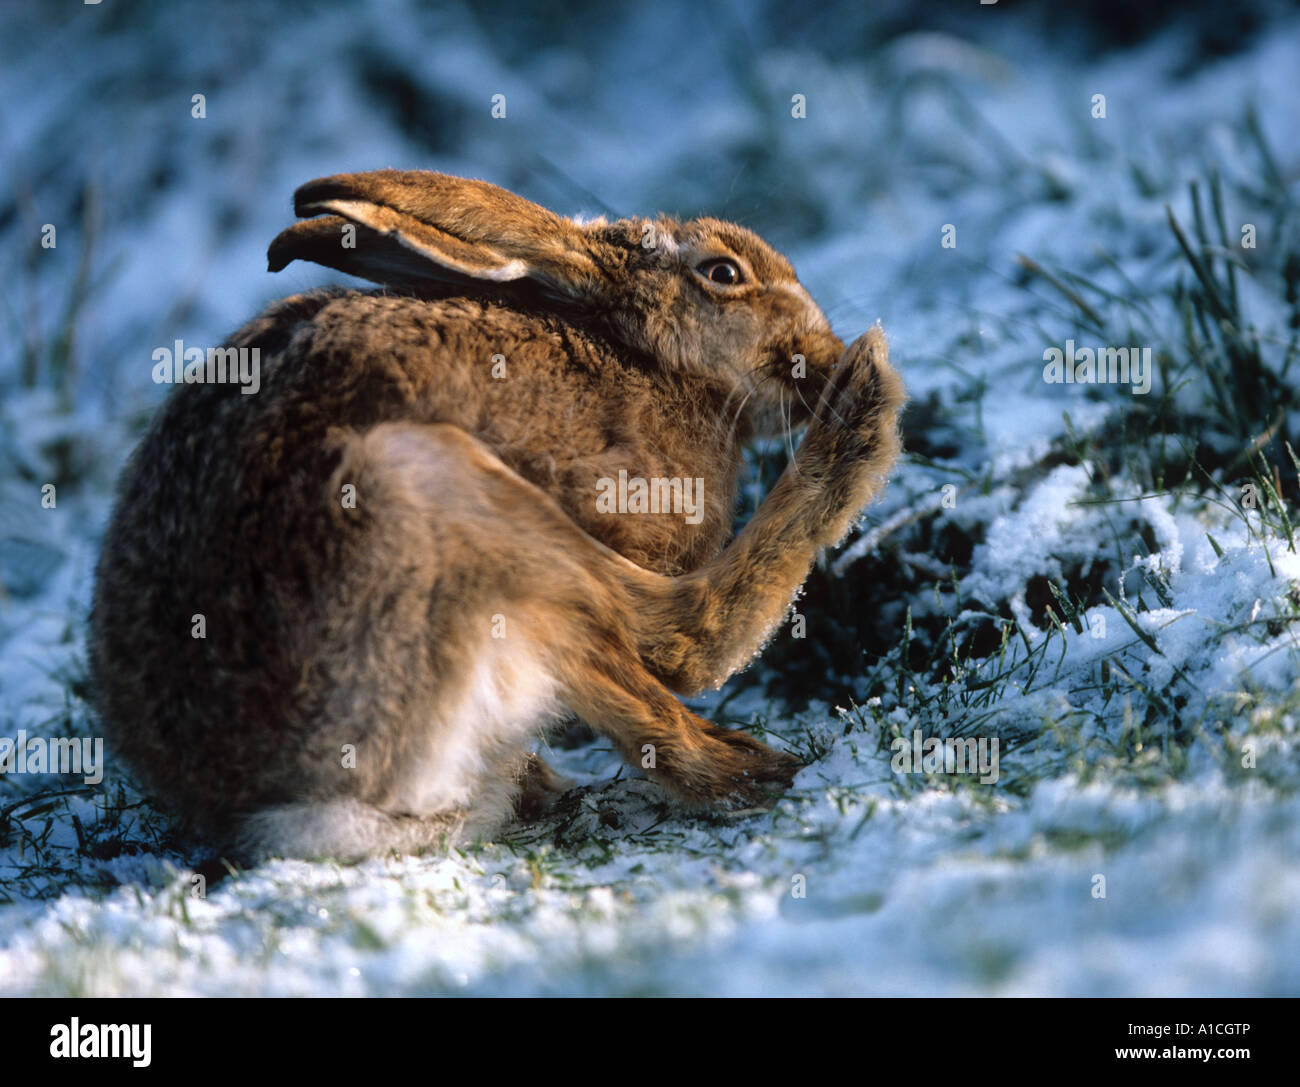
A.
pixel 703 766
pixel 350 830
pixel 539 788
pixel 344 830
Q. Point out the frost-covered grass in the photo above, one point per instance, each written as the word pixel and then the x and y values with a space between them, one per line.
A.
pixel 1108 584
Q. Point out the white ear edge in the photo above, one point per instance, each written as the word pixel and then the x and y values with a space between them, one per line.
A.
pixel 361 211
pixel 512 269
pixel 503 273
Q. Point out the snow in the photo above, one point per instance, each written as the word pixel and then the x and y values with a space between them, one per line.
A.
pixel 910 884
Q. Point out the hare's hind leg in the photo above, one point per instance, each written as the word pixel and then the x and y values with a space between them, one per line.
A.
pixel 703 765
pixel 539 787
pixel 346 830
pixel 562 609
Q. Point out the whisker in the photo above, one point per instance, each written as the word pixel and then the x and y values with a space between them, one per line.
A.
pixel 789 440
pixel 740 384
pixel 735 419
pixel 811 411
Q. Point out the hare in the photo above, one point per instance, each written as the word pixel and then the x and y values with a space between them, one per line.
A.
pixel 334 617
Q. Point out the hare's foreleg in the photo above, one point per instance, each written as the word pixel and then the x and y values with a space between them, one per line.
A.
pixel 698 629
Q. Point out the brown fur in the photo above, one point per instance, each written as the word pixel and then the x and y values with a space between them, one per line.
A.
pixel 476 502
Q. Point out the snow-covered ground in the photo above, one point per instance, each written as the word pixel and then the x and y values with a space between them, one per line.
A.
pixel 1143 836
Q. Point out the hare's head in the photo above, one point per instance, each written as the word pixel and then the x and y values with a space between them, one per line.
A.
pixel 699 296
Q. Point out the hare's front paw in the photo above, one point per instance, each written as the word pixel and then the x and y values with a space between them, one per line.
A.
pixel 860 401
pixel 853 439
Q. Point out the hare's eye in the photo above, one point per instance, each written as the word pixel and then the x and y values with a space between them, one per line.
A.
pixel 726 272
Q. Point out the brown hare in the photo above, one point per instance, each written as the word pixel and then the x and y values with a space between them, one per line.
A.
pixel 333 618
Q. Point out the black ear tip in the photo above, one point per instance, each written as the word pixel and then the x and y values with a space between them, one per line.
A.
pixel 280 253
pixel 315 192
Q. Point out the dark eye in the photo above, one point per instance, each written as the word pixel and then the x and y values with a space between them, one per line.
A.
pixel 726 272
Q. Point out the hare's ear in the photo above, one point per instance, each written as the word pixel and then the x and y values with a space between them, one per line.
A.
pixel 406 228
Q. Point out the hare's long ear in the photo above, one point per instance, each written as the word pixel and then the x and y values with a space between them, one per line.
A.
pixel 416 227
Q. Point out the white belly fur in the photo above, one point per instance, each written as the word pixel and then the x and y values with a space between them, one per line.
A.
pixel 500 710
